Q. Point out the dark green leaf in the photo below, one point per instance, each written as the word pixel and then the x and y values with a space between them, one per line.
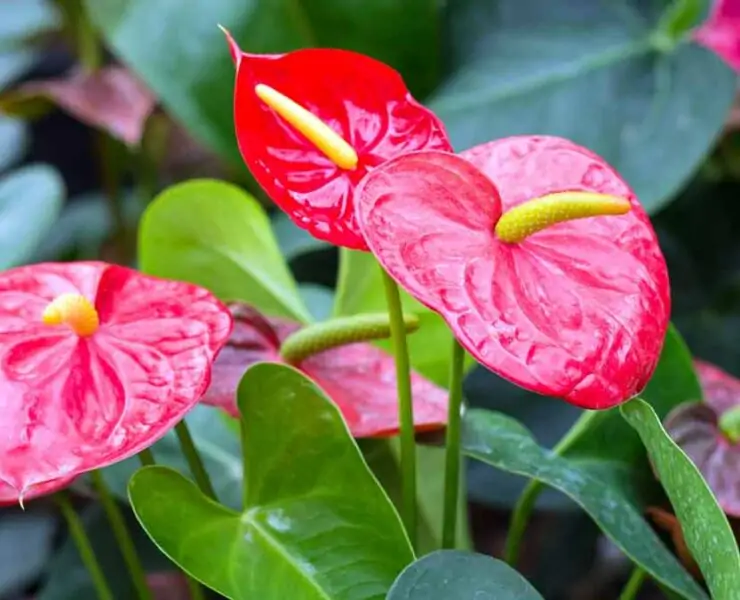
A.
pixel 315 524
pixel 607 491
pixel 25 547
pixel 448 574
pixel 587 71
pixel 216 235
pixel 13 141
pixel 187 63
pixel 22 20
pixel 68 578
pixel 30 201
pixel 704 525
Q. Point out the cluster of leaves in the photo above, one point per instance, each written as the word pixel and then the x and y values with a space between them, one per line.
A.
pixel 589 71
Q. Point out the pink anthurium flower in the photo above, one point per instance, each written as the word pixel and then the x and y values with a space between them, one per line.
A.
pixel 721 32
pixel 311 123
pixel 499 242
pixel 97 363
pixel 696 427
pixel 359 377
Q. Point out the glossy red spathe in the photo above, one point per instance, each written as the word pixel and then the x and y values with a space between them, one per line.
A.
pixel 359 378
pixel 71 404
pixel 363 100
pixel 720 33
pixel 577 311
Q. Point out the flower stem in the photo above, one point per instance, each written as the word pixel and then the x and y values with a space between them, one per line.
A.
pixel 195 463
pixel 452 441
pixel 405 405
pixel 122 536
pixel 633 585
pixel 146 457
pixel 525 503
pixel 77 531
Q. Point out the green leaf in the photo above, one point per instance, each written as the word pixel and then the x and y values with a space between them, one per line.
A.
pixel 587 71
pixel 13 141
pixel 30 201
pixel 187 63
pixel 315 524
pixel 607 491
pixel 22 20
pixel 14 64
pixel 218 447
pixel 705 527
pixel 26 540
pixel 294 241
pixel 216 235
pixel 360 290
pixel 67 576
pixel 448 574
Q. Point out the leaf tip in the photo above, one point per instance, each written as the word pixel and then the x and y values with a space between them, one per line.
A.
pixel 234 49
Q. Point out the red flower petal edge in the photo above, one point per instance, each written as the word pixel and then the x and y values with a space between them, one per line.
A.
pixel 359 378
pixel 720 33
pixel 72 404
pixel 363 100
pixel 9 495
pixel 578 311
pixel 694 427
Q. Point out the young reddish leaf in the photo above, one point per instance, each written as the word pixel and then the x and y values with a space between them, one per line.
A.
pixel 111 99
pixel 578 310
pixel 84 387
pixel 721 32
pixel 359 378
pixel 669 523
pixel 695 427
pixel 364 101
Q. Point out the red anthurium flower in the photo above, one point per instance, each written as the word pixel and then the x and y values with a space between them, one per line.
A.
pixel 311 123
pixel 97 363
pixel 696 427
pixel 359 377
pixel 9 494
pixel 721 32
pixel 576 309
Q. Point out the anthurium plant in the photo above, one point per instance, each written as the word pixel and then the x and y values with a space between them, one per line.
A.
pixel 198 419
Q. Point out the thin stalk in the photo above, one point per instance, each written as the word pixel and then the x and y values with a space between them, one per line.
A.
pixel 525 504
pixel 405 406
pixel 452 441
pixel 146 457
pixel 122 536
pixel 633 585
pixel 77 531
pixel 195 463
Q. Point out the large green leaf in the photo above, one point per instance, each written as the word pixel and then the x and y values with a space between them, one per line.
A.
pixel 187 63
pixel 608 491
pixel 217 446
pixel 705 527
pixel 13 141
pixel 30 201
pixel 448 574
pixel 315 524
pixel 588 71
pixel 360 289
pixel 216 235
pixel 22 20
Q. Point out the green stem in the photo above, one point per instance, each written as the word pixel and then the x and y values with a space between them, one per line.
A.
pixel 77 531
pixel 633 585
pixel 89 50
pixel 452 456
pixel 195 589
pixel 405 406
pixel 146 457
pixel 122 536
pixel 528 498
pixel 195 463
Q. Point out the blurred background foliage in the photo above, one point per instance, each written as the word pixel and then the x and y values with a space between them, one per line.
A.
pixel 81 159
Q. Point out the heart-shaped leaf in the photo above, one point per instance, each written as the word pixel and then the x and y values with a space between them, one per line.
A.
pixel 315 522
pixel 704 525
pixel 447 574
pixel 30 202
pixel 196 81
pixel 525 66
pixel 608 491
pixel 215 235
pixel 13 141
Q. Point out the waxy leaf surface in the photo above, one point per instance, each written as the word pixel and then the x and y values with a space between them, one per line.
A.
pixel 365 101
pixel 315 524
pixel 695 428
pixel 216 235
pixel 448 574
pixel 607 491
pixel 577 311
pixel 359 378
pixel 71 404
pixel 705 527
